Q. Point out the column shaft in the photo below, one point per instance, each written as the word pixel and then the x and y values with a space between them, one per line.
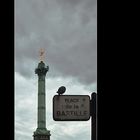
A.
pixel 41 102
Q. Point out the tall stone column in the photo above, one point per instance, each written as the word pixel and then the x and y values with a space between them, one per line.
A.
pixel 41 132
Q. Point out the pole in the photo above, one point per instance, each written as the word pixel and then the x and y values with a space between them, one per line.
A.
pixel 93 116
pixel 41 132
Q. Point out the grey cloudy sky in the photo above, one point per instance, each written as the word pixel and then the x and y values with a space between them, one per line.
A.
pixel 67 29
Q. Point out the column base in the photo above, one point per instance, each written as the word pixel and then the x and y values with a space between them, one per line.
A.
pixel 41 134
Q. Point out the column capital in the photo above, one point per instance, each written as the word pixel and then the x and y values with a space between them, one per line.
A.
pixel 41 69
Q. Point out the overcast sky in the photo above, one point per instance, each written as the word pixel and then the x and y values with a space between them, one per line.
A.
pixel 67 29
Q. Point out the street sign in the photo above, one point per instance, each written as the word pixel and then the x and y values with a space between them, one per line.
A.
pixel 71 107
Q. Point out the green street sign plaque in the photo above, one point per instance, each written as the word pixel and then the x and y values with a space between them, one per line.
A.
pixel 71 107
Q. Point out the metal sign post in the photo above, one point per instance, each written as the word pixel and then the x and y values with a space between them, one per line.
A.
pixel 93 107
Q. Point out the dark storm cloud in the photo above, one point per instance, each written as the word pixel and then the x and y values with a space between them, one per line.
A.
pixel 65 28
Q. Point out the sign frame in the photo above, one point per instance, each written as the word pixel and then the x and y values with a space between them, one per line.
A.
pixel 57 119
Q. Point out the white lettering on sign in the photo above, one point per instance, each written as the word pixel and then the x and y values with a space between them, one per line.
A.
pixel 71 107
pixel 75 113
pixel 71 100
